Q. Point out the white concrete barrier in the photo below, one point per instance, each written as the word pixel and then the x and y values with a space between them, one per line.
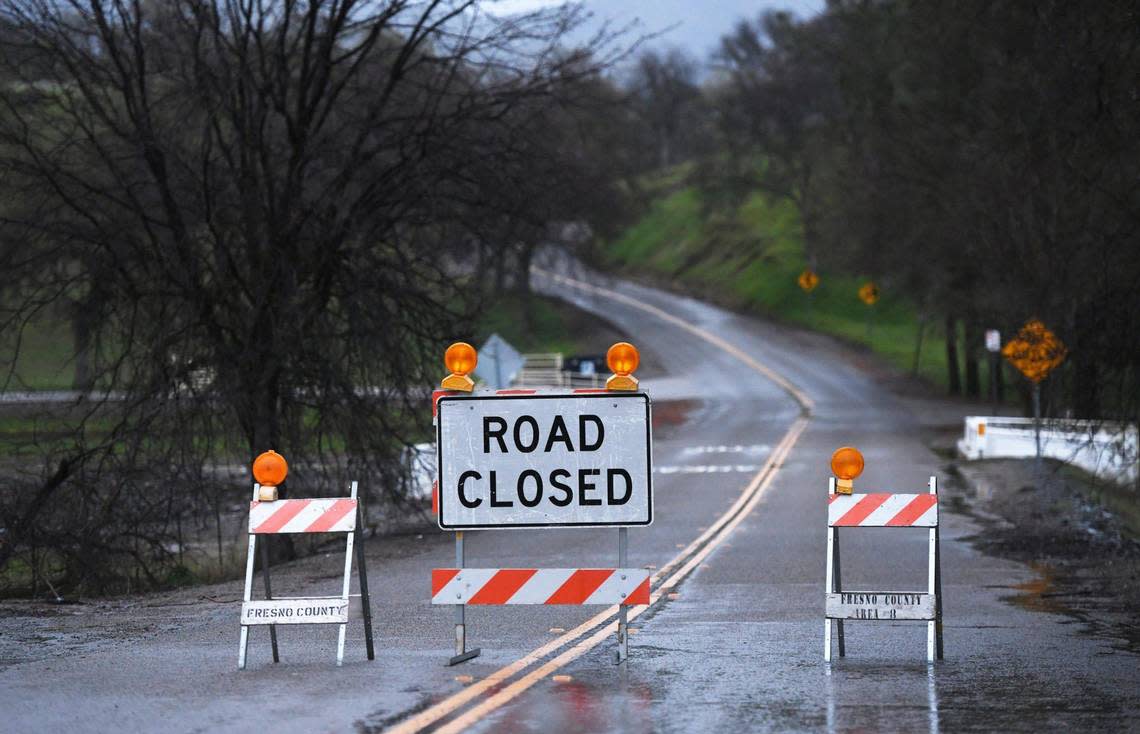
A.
pixel 1104 449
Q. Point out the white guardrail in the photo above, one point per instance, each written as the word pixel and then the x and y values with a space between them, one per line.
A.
pixel 1106 450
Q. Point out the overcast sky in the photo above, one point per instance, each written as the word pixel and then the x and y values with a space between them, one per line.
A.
pixel 699 23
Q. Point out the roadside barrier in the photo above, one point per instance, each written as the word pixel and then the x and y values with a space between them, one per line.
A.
pixel 540 586
pixel 541 459
pixel 270 516
pixel 879 510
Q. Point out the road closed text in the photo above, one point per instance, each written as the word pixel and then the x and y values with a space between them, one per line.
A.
pixel 544 460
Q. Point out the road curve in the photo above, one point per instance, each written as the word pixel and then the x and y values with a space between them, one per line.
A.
pixel 747 414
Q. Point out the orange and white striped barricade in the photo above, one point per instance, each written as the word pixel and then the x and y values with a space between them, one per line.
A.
pixel 323 515
pixel 531 459
pixel 883 510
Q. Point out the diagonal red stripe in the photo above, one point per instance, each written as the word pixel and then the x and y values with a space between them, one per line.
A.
pixel 502 586
pixel 289 510
pixel 914 510
pixel 440 577
pixel 640 595
pixel 833 497
pixel 582 583
pixel 330 517
pixel 862 509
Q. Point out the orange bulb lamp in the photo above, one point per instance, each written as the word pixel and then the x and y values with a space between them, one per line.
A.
pixel 846 464
pixel 269 470
pixel 460 359
pixel 623 359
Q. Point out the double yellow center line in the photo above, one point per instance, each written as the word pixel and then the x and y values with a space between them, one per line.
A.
pixel 598 628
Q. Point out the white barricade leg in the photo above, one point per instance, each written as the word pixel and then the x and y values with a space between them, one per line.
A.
pixel 829 581
pixel 247 596
pixel 932 632
pixel 249 563
pixel 937 579
pixel 344 596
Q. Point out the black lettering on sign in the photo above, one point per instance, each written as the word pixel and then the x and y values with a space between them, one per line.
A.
pixel 529 447
pixel 494 494
pixel 462 495
pixel 610 495
pixel 496 432
pixel 585 485
pixel 558 433
pixel 537 488
pixel 555 483
pixel 583 443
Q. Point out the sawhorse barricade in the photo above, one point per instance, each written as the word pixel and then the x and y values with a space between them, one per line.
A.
pixel 542 459
pixel 548 586
pixel 325 515
pixel 883 511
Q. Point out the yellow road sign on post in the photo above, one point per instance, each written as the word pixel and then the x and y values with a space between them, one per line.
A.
pixel 1035 351
pixel 808 280
pixel 869 293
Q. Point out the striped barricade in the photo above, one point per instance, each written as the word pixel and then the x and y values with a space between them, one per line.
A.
pixel 494 586
pixel 883 510
pixel 324 515
pixel 461 586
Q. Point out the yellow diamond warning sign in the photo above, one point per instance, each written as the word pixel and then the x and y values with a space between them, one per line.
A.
pixel 869 293
pixel 1035 351
pixel 808 280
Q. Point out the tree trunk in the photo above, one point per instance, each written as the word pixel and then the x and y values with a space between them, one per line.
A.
pixel 953 376
pixel 522 265
pixel 973 374
pixel 918 344
pixel 81 342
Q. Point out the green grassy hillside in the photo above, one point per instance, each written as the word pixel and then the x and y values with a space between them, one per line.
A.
pixel 749 260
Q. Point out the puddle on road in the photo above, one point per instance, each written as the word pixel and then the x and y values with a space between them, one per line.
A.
pixel 1037 593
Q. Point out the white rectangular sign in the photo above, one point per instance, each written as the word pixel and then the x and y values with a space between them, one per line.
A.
pixel 554 460
pixel 313 610
pixel 886 605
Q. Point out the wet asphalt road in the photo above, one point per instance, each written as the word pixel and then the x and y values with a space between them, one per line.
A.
pixel 739 649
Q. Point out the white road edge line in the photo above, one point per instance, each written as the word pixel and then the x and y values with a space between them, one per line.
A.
pixel 710 539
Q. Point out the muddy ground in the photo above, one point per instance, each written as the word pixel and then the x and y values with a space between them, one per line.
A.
pixel 1087 557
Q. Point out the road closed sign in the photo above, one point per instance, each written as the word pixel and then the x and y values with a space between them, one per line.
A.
pixel 557 460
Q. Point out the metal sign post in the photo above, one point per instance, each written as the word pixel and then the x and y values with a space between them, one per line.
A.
pixel 531 459
pixel 1035 352
pixel 325 515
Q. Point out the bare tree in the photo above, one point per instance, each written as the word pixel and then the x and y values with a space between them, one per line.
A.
pixel 262 215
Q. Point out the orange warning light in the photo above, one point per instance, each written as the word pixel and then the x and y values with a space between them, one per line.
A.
pixel 270 469
pixel 623 358
pixel 460 358
pixel 846 464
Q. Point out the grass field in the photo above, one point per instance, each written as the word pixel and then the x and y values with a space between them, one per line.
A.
pixel 749 260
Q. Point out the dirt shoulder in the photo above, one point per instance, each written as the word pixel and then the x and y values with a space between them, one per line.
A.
pixel 1086 557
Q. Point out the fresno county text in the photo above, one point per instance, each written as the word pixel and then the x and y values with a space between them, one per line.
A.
pixel 544 460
